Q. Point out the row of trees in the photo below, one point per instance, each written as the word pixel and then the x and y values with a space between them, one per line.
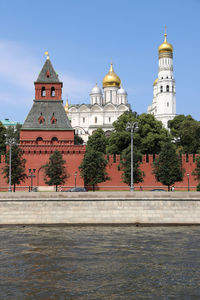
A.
pixel 150 138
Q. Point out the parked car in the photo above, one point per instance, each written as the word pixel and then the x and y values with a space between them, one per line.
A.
pixel 158 190
pixel 77 189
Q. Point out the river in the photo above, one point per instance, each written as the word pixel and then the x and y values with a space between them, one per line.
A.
pixel 99 262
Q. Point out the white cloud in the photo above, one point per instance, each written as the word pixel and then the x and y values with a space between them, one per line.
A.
pixel 19 69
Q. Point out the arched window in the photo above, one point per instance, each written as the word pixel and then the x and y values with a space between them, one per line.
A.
pixel 43 92
pixel 39 139
pixel 54 140
pixel 53 91
pixel 167 88
pixel 161 89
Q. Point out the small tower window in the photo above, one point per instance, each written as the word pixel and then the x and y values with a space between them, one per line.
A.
pixel 83 120
pixel 53 91
pixel 167 88
pixel 110 96
pixel 43 92
pixel 95 120
pixel 172 88
pixel 161 89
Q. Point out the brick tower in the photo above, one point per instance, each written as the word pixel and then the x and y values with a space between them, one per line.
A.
pixel 47 127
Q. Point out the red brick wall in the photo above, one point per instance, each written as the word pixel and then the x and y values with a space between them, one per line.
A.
pixel 74 154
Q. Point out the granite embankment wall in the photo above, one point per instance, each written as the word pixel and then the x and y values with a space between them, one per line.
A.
pixel 100 208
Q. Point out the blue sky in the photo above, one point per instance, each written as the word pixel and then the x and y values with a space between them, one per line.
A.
pixel 82 36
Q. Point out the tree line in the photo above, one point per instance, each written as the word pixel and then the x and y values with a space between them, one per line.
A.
pixel 151 138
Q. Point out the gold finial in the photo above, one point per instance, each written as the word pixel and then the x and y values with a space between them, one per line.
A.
pixel 111 68
pixel 165 33
pixel 47 54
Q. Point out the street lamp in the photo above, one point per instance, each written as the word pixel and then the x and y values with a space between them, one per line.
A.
pixel 75 175
pixel 132 126
pixel 31 175
pixel 188 176
pixel 10 141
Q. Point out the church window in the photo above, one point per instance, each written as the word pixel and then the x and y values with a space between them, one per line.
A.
pixel 167 77
pixel 95 120
pixel 43 92
pixel 95 99
pixel 167 88
pixel 110 96
pixel 83 120
pixel 167 104
pixel 161 77
pixel 48 74
pixel 172 88
pixel 161 89
pixel 53 91
pixel 109 119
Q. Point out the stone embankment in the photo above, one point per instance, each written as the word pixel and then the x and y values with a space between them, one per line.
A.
pixel 100 208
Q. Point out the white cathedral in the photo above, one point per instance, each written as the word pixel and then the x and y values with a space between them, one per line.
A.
pixel 103 110
pixel 164 91
pixel 105 107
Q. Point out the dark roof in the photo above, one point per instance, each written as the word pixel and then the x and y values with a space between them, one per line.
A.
pixel 47 109
pixel 43 78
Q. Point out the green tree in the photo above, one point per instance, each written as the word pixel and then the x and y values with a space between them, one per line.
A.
pixel 125 165
pixel 196 172
pixel 186 133
pixel 14 132
pixel 93 168
pixel 97 141
pixel 55 171
pixel 17 166
pixel 147 140
pixel 168 166
pixel 78 140
pixel 2 139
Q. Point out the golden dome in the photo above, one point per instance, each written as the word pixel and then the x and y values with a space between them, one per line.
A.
pixel 165 46
pixel 66 107
pixel 111 79
pixel 155 81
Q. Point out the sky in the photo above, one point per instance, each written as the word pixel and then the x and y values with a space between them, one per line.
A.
pixel 84 36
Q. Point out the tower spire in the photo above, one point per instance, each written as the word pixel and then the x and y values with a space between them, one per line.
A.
pixel 47 54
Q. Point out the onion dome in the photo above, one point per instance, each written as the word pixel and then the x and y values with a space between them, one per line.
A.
pixel 96 90
pixel 121 91
pixel 155 81
pixel 165 49
pixel 111 79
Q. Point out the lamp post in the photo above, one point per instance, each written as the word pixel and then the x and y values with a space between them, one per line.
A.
pixel 75 175
pixel 188 176
pixel 132 126
pixel 31 175
pixel 10 141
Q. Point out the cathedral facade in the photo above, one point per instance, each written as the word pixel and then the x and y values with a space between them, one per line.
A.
pixel 163 106
pixel 104 108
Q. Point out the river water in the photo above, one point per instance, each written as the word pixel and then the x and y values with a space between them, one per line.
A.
pixel 99 262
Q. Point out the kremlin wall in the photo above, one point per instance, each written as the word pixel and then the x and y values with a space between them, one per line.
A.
pixel 47 128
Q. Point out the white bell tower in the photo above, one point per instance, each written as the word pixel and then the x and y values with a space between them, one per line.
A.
pixel 164 93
